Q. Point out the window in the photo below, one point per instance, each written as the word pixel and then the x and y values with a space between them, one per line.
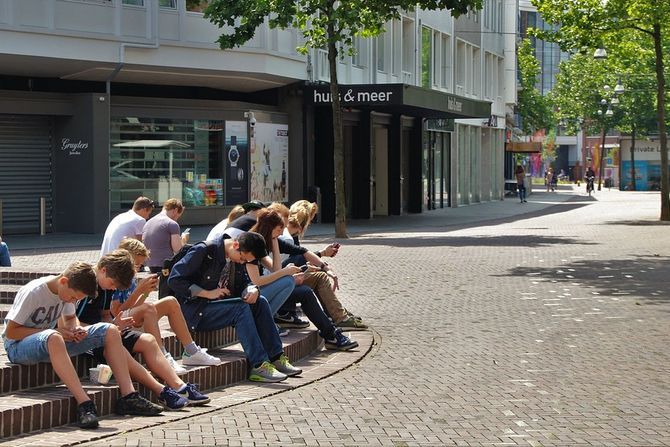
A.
pixel 163 158
pixel 196 5
pixel 460 66
pixel 436 57
pixel 360 55
pixel 446 62
pixel 380 52
pixel 408 41
pixel 426 56
pixel 171 4
pixel 133 2
pixel 395 47
pixel 477 72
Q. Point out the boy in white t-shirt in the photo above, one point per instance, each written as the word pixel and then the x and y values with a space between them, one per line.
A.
pixel 41 326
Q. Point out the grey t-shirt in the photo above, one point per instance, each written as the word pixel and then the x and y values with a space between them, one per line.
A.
pixel 35 306
pixel 157 237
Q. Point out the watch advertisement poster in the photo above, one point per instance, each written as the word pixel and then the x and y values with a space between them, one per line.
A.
pixel 269 163
pixel 237 163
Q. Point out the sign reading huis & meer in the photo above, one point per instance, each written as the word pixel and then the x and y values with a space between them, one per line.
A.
pixel 410 99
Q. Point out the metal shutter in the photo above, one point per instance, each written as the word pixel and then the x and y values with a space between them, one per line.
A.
pixel 25 172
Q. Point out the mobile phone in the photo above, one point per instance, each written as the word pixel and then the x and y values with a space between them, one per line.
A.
pixel 304 267
pixel 188 230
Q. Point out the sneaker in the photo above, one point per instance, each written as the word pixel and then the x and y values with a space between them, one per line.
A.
pixel 352 323
pixel 340 342
pixel 266 373
pixel 284 366
pixel 283 332
pixel 136 405
pixel 200 358
pixel 173 364
pixel 290 320
pixel 171 400
pixel 87 415
pixel 194 396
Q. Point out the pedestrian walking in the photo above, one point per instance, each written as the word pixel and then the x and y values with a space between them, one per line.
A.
pixel 521 183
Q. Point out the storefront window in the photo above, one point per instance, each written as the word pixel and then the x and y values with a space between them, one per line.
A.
pixel 164 158
pixel 133 2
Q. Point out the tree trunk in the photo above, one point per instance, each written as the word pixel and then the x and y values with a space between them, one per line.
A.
pixel 338 143
pixel 660 113
pixel 602 155
pixel 632 159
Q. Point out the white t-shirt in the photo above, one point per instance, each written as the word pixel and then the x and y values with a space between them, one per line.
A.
pixel 35 306
pixel 128 224
pixel 217 231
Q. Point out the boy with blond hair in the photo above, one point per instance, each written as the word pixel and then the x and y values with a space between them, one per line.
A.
pixel 41 326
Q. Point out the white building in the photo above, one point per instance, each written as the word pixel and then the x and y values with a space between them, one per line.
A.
pixel 105 100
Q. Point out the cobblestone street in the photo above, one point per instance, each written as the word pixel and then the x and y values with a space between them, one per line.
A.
pixel 547 328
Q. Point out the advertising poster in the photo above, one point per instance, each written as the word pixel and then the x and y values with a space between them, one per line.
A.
pixel 237 163
pixel 641 175
pixel 269 163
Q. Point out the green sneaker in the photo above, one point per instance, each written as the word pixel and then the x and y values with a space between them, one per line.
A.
pixel 284 366
pixel 266 373
pixel 352 324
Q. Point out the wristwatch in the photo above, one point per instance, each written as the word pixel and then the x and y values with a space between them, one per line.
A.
pixel 233 158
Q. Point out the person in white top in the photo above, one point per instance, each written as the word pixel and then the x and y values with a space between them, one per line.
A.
pixel 128 224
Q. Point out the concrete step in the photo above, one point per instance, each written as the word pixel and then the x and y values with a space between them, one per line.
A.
pixel 20 276
pixel 8 292
pixel 42 407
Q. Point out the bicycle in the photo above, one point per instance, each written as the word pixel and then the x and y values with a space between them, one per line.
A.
pixel 589 185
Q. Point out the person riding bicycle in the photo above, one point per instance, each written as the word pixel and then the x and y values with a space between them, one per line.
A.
pixel 590 176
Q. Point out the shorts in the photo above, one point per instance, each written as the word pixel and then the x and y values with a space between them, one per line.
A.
pixel 128 338
pixel 33 349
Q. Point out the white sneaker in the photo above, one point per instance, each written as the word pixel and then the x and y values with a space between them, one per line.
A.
pixel 176 366
pixel 200 358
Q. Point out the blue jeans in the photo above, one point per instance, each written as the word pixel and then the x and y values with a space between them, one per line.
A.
pixel 254 324
pixel 5 260
pixel 310 305
pixel 277 292
pixel 522 191
pixel 33 349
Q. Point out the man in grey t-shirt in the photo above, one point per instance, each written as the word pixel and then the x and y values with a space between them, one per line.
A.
pixel 162 237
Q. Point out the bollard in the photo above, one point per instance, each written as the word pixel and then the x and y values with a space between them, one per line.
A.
pixel 43 214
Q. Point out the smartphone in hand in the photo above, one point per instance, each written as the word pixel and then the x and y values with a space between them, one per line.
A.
pixel 304 268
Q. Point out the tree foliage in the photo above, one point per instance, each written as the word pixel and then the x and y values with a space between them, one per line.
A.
pixel 330 25
pixel 634 26
pixel 534 108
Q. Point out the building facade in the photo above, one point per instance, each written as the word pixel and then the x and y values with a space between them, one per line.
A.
pixel 102 101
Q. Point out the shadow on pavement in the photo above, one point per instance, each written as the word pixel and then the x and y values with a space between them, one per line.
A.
pixel 643 277
pixel 637 223
pixel 520 240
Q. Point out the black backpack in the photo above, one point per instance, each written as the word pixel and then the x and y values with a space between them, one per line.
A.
pixel 163 288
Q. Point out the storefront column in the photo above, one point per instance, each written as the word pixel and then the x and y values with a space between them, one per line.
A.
pixel 394 172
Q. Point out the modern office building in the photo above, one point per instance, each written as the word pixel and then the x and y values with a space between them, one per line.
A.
pixel 102 101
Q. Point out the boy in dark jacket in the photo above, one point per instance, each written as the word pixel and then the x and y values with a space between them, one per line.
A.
pixel 199 281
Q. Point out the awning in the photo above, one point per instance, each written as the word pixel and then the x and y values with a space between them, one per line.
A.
pixel 152 144
pixel 402 98
pixel 523 146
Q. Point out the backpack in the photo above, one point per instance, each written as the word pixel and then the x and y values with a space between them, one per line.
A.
pixel 163 289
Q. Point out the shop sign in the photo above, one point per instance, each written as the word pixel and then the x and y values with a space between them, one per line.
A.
pixel 72 147
pixel 358 95
pixel 440 125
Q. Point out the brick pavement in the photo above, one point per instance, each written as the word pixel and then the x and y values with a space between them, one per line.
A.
pixel 546 329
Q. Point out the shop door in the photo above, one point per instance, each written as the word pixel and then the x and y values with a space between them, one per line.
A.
pixel 381 179
pixel 25 172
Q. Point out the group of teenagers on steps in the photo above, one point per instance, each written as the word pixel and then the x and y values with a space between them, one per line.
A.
pixel 251 273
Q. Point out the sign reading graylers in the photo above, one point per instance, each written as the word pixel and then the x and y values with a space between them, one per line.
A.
pixel 72 147
pixel 410 99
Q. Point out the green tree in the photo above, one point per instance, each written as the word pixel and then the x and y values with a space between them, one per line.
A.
pixel 595 23
pixel 325 24
pixel 534 108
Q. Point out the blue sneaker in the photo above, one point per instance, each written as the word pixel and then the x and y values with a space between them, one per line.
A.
pixel 171 400
pixel 194 396
pixel 340 342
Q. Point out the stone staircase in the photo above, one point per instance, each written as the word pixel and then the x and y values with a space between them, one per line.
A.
pixel 33 398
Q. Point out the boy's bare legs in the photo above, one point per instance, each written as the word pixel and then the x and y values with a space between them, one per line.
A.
pixel 139 373
pixel 169 306
pixel 62 365
pixel 156 361
pixel 117 358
